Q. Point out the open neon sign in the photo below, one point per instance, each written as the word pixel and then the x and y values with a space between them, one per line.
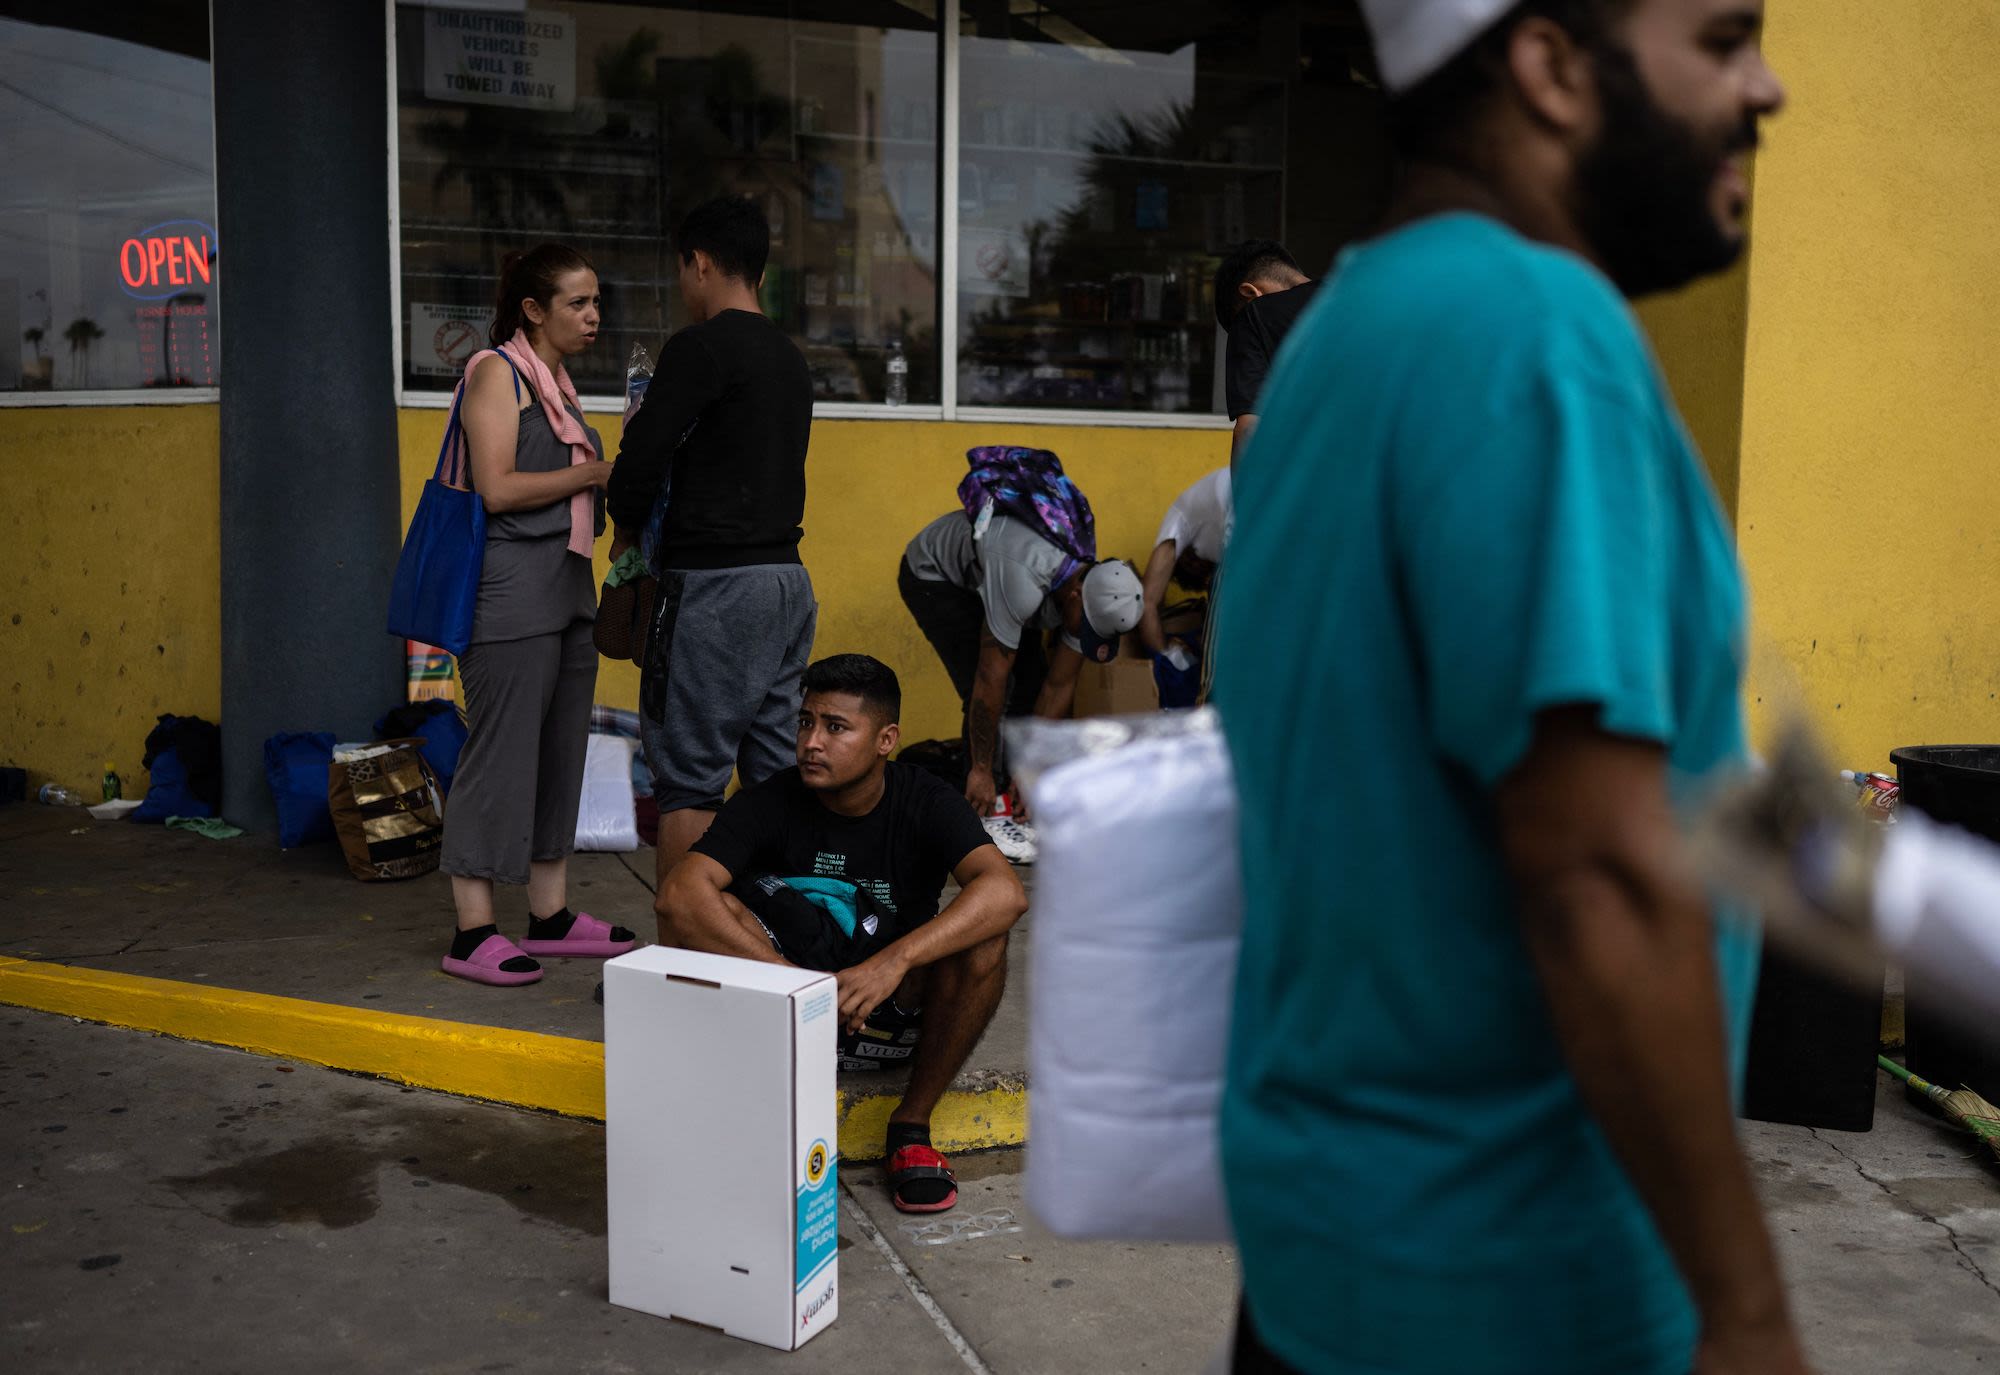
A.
pixel 164 260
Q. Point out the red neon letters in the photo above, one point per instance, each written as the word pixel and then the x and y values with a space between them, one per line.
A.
pixel 157 261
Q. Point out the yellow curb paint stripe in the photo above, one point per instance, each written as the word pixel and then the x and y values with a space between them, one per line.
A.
pixel 524 1068
pixel 556 1073
pixel 963 1121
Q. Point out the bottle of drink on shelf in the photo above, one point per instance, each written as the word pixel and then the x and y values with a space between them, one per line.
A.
pixel 899 375
pixel 114 786
pixel 56 795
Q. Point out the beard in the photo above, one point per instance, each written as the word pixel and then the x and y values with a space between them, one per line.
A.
pixel 1644 194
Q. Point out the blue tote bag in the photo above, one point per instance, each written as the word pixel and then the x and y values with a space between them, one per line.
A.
pixel 437 577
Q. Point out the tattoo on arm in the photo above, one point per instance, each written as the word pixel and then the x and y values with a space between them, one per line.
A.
pixel 986 701
pixel 982 729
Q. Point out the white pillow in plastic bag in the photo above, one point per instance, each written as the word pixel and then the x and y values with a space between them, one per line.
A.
pixel 605 819
pixel 1137 911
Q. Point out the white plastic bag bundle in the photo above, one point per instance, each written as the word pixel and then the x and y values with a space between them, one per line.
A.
pixel 1937 893
pixel 1138 907
pixel 605 819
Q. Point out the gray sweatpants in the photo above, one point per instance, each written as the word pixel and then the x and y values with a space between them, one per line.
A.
pixel 719 691
pixel 520 775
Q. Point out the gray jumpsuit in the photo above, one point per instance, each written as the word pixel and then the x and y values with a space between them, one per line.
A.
pixel 530 673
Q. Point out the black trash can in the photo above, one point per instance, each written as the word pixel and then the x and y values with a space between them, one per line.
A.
pixel 1813 1041
pixel 1958 785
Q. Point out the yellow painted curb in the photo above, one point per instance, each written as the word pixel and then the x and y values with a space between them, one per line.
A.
pixel 965 1120
pixel 524 1068
pixel 557 1073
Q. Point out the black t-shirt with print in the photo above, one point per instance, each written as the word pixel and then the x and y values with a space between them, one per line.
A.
pixel 901 852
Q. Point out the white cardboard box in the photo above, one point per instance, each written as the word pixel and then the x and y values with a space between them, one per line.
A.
pixel 719 1139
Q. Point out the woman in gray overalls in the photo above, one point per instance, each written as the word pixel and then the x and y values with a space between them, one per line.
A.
pixel 531 669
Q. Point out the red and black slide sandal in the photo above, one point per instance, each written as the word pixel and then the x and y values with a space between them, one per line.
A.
pixel 915 1173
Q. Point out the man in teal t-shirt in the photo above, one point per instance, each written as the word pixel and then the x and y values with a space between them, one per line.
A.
pixel 1483 635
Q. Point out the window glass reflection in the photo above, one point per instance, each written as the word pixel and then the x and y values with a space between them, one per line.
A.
pixel 110 275
pixel 1103 171
pixel 637 114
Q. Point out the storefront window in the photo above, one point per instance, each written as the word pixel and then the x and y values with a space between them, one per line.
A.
pixel 1110 153
pixel 601 124
pixel 109 260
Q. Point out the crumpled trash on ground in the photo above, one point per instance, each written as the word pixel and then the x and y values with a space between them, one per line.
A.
pixel 214 827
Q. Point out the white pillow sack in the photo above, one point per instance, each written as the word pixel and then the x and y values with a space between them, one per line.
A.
pixel 1138 906
pixel 605 818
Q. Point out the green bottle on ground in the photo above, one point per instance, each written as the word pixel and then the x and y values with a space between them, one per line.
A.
pixel 114 787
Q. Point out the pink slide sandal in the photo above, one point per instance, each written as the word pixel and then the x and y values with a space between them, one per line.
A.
pixel 483 965
pixel 587 939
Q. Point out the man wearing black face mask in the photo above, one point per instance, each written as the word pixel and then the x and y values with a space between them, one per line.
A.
pixel 1497 1055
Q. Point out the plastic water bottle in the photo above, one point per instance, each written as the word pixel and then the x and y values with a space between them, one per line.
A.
pixel 56 795
pixel 638 377
pixel 899 375
pixel 114 786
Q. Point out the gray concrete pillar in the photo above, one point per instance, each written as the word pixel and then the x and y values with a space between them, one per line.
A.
pixel 310 518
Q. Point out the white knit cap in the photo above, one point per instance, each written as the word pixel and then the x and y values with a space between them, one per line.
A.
pixel 1413 38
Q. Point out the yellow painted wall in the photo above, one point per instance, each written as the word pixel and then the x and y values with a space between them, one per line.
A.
pixel 128 553
pixel 110 576
pixel 109 531
pixel 871 484
pixel 1870 510
pixel 1699 336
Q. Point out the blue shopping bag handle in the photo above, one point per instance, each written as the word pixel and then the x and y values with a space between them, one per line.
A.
pixel 455 475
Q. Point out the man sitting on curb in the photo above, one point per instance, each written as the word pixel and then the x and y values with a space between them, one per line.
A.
pixel 894 833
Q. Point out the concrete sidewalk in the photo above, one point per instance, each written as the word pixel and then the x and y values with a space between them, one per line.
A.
pixel 171 1207
pixel 345 973
pixel 177 1207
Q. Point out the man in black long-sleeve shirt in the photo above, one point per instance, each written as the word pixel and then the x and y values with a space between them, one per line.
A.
pixel 717 453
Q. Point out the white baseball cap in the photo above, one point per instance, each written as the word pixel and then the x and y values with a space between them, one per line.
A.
pixel 1413 38
pixel 1112 601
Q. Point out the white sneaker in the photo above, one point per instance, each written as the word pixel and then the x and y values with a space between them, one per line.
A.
pixel 1016 839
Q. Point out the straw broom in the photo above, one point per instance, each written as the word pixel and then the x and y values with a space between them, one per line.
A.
pixel 1962 1106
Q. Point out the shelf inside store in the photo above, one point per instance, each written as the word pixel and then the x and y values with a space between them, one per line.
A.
pixel 881 140
pixel 638 235
pixel 1068 322
pixel 633 161
pixel 1190 164
pixel 1056 360
pixel 482 284
pixel 1048 50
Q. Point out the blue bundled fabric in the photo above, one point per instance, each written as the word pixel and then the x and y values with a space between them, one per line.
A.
pixel 168 793
pixel 295 765
pixel 1179 687
pixel 184 764
pixel 440 726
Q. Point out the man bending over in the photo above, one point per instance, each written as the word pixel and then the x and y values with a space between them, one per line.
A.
pixel 838 864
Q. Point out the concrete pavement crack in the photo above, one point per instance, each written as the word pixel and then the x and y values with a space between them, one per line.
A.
pixel 1965 1262
pixel 634 873
pixel 918 1290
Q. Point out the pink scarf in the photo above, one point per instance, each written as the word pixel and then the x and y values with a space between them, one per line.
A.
pixel 552 389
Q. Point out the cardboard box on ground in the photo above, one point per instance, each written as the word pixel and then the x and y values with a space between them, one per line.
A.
pixel 1122 687
pixel 719 1132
